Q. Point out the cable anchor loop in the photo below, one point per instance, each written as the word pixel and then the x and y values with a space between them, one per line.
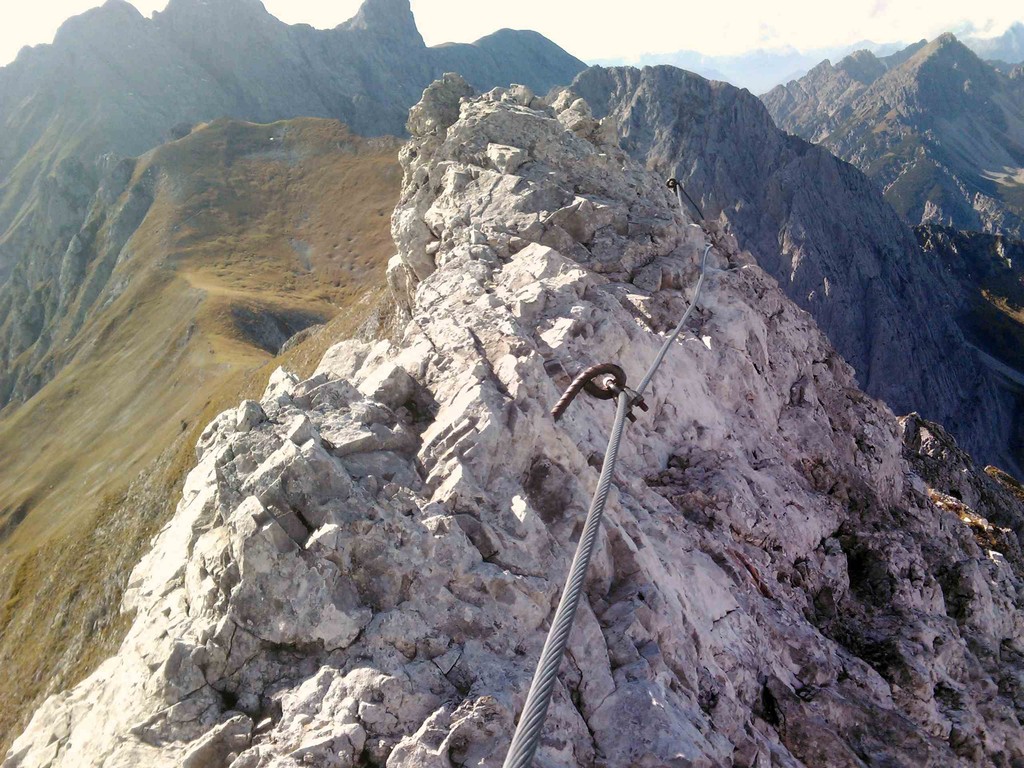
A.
pixel 603 381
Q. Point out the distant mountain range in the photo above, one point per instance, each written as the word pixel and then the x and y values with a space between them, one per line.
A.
pixel 937 128
pixel 116 82
pixel 1007 47
pixel 760 70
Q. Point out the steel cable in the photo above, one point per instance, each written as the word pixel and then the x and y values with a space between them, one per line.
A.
pixel 531 721
pixel 689 310
pixel 679 327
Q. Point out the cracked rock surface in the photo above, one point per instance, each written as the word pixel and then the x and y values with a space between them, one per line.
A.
pixel 363 564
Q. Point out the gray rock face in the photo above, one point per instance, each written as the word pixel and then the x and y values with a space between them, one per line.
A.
pixel 362 566
pixel 941 131
pixel 982 289
pixel 67 253
pixel 822 229
pixel 973 262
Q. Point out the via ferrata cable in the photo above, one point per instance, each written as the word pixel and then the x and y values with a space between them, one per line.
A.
pixel 531 721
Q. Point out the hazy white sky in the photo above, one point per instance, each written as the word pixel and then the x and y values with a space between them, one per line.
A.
pixel 600 29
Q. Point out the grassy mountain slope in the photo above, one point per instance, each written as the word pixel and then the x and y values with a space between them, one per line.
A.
pixel 252 233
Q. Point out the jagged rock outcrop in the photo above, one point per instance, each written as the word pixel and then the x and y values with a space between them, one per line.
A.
pixel 937 128
pixel 363 563
pixel 820 228
pixel 990 499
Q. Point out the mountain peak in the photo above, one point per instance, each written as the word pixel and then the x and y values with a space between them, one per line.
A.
pixel 927 131
pixel 215 7
pixel 387 18
pixel 947 47
pixel 118 7
pixel 111 13
pixel 950 63
pixel 863 66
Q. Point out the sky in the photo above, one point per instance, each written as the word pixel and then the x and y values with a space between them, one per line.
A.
pixel 601 29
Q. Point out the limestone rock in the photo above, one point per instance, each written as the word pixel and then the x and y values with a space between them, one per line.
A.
pixel 439 107
pixel 248 416
pixel 506 159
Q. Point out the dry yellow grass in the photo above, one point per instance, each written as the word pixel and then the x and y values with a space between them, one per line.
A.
pixel 287 221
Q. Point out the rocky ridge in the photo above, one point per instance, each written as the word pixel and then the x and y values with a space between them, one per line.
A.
pixel 824 231
pixel 362 564
pixel 817 103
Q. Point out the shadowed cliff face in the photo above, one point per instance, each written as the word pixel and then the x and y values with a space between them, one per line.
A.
pixel 823 230
pixel 363 564
pixel 983 290
pixel 937 128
